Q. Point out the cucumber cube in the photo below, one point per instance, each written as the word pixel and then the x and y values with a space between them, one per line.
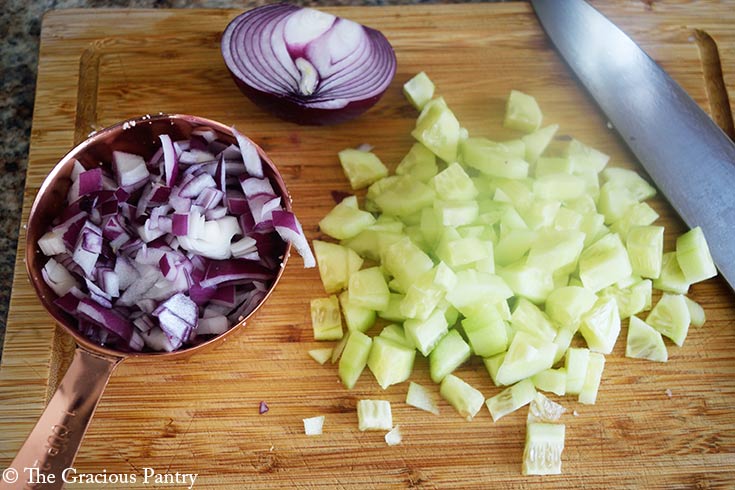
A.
pixel 456 213
pixel 453 184
pixel 568 220
pixel 640 214
pixel 420 397
pixel 645 246
pixel 392 312
pixel 576 362
pixel 493 159
pixel 538 141
pixel 368 289
pixel 528 281
pixel 585 158
pixel 563 340
pixel 336 264
pixel 604 263
pixel 425 334
pixel 527 355
pixel 406 262
pixel 696 312
pixel 419 90
pixel 390 362
pixel 463 397
pixel 513 246
pixel 566 305
pixel 326 319
pixel 374 415
pixel 600 326
pixel 552 165
pixel 554 250
pixel 591 386
pixel 543 449
pixel 511 399
pixel 423 296
pixel 321 355
pixel 486 333
pixel 356 317
pixel 527 317
pixel 541 213
pixel 551 380
pixel 474 287
pixel 560 187
pixel 644 342
pixel 630 179
pixel 693 255
pixel 362 168
pixel 450 353
pixel 541 409
pixel 354 358
pixel 457 251
pixel 438 129
pixel 615 201
pixel 419 163
pixel 492 364
pixel 404 196
pixel 631 300
pixel 395 333
pixel 671 317
pixel 346 220
pixel 672 278
pixel 522 112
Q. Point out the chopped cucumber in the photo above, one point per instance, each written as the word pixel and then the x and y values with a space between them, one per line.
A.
pixel 696 312
pixel 492 364
pixel 406 262
pixel 541 409
pixel 356 317
pixel 396 334
pixel 576 363
pixel 425 334
pixel 566 305
pixel 474 287
pixel 672 278
pixel 336 263
pixel 513 246
pixel 553 165
pixel 615 201
pixel 368 289
pixel 321 355
pixel 632 299
pixel 640 214
pixel 585 158
pixel 453 184
pixel 438 129
pixel 563 340
pixel 463 397
pixel 645 246
pixel 544 446
pixel 630 179
pixel 522 112
pixel 390 362
pixel 392 312
pixel 538 141
pixel 692 253
pixel 604 263
pixel 362 168
pixel 511 399
pixel 326 320
pixel 529 318
pixel 527 355
pixel 354 358
pixel 644 342
pixel 394 437
pixel 528 281
pixel 339 347
pixel 459 251
pixel 419 163
pixel 493 159
pixel 422 297
pixel 374 415
pixel 555 250
pixel 486 333
pixel 595 366
pixel 450 353
pixel 419 90
pixel 420 397
pixel 456 213
pixel 313 426
pixel 561 187
pixel 346 220
pixel 600 326
pixel 671 317
pixel 404 196
pixel 551 380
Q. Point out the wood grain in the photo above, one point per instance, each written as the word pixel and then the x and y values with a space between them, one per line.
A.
pixel 654 426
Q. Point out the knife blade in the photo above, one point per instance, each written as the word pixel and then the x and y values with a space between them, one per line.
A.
pixel 690 159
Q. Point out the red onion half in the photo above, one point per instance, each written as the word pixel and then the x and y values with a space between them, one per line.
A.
pixel 307 66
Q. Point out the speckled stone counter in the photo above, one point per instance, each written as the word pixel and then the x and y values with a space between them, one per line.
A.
pixel 20 27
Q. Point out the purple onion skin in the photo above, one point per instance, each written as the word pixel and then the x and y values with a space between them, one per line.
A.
pixel 289 110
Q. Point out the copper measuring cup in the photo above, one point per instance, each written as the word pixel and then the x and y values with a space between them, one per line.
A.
pixel 54 441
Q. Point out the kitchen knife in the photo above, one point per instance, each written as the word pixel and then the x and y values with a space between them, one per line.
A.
pixel 691 160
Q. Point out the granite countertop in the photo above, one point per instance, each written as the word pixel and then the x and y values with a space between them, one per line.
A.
pixel 20 28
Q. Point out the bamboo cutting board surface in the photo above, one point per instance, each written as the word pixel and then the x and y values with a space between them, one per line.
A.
pixel 654 425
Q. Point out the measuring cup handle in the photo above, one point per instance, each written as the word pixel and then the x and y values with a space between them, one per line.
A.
pixel 54 441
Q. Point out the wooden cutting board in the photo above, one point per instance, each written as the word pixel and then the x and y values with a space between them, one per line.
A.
pixel 654 426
